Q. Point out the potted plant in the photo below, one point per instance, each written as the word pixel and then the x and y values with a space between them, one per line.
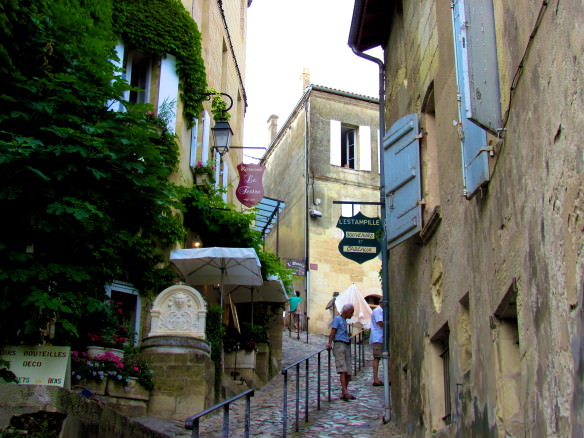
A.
pixel 204 173
pixel 112 334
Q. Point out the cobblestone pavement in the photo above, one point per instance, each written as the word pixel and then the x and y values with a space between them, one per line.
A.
pixel 362 417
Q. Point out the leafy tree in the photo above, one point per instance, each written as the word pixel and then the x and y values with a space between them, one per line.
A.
pixel 84 191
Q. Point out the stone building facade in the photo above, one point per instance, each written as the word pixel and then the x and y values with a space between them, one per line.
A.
pixel 486 290
pixel 325 151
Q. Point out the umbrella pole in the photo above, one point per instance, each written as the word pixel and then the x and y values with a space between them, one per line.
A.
pixel 252 306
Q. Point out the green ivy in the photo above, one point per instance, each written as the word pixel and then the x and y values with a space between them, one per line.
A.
pixel 160 27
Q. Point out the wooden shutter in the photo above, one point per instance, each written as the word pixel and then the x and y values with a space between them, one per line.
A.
pixel 335 142
pixel 483 94
pixel 168 89
pixel 113 104
pixel 475 160
pixel 194 141
pixel 206 137
pixel 364 148
pixel 403 189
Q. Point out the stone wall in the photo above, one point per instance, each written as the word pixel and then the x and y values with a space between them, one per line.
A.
pixel 499 286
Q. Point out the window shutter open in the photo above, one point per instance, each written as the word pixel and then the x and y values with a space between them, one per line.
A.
pixel 484 97
pixel 116 105
pixel 403 188
pixel 206 137
pixel 194 141
pixel 168 90
pixel 475 160
pixel 364 148
pixel 335 142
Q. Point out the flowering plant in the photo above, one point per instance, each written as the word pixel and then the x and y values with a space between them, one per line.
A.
pixel 205 169
pixel 110 366
pixel 114 333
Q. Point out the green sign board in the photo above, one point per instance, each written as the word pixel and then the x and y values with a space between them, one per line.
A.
pixel 360 242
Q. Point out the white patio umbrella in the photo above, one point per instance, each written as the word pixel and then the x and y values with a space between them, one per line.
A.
pixel 200 266
pixel 353 296
pixel 271 291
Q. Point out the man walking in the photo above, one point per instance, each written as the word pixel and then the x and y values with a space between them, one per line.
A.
pixel 342 349
pixel 376 341
pixel 295 309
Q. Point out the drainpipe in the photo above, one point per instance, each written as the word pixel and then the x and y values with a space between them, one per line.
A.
pixel 306 213
pixel 384 252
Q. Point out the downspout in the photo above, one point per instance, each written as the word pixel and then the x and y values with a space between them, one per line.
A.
pixel 384 251
pixel 307 209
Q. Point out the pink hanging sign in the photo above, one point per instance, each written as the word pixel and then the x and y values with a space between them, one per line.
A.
pixel 250 190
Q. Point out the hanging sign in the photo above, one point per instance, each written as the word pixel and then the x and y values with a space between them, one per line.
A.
pixel 250 190
pixel 360 241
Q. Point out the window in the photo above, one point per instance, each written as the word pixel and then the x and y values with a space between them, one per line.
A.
pixel 131 304
pixel 505 328
pixel 440 403
pixel 350 146
pixel 138 74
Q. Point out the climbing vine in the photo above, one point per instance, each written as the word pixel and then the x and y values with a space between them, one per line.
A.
pixel 160 27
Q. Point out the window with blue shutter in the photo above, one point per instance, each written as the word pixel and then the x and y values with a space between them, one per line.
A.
pixel 113 104
pixel 194 143
pixel 475 160
pixel 403 188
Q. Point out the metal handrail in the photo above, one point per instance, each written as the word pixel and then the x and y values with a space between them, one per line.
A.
pixel 358 362
pixel 192 423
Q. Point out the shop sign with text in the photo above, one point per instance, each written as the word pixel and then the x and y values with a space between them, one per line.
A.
pixel 34 365
pixel 361 237
pixel 250 190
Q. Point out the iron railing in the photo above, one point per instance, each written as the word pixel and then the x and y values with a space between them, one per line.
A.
pixel 358 358
pixel 192 423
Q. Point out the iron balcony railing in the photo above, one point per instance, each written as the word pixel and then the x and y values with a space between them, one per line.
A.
pixel 192 423
pixel 358 358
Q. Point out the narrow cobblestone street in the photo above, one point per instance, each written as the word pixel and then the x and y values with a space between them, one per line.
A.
pixel 362 417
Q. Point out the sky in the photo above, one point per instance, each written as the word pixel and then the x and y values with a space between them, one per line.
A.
pixel 283 38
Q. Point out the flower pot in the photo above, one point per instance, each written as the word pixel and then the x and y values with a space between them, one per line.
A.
pixel 116 352
pixel 240 360
pixel 131 389
pixel 93 351
pixel 202 179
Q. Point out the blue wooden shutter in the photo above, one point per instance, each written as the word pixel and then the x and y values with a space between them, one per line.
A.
pixel 475 160
pixel 113 104
pixel 403 188
pixel 484 97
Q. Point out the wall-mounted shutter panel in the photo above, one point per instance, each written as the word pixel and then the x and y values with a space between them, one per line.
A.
pixel 483 71
pixel 225 179
pixel 364 148
pixel 475 159
pixel 168 89
pixel 194 139
pixel 112 104
pixel 335 142
pixel 403 189
pixel 206 136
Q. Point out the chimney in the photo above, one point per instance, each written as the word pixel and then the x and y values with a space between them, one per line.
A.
pixel 272 127
pixel 305 78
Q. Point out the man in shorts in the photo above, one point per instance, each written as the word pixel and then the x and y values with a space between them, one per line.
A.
pixel 342 349
pixel 376 341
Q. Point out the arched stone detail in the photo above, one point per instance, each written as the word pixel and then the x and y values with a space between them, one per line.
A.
pixel 179 310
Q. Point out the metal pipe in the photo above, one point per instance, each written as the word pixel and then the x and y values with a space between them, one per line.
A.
pixel 297 395
pixel 306 387
pixel 285 405
pixel 384 250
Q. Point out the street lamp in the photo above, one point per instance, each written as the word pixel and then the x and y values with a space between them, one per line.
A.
pixel 222 134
